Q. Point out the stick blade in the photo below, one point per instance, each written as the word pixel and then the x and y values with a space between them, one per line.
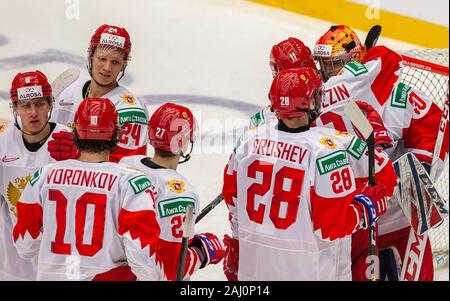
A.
pixel 358 119
pixel 64 80
pixel 372 37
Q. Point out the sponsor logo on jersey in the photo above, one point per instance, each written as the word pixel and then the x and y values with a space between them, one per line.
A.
pixel 174 206
pixel 399 96
pixel 356 148
pixel 332 162
pixel 14 191
pixel 128 99
pixel 134 115
pixel 29 93
pixel 64 103
pixel 6 159
pixel 328 142
pixel 356 68
pixel 342 134
pixel 140 183
pixel 176 186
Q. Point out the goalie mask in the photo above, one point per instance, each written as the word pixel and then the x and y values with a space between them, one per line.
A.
pixel 171 129
pixel 296 92
pixel 338 46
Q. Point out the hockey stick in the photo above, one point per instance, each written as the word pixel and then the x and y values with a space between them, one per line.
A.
pixel 187 230
pixel 209 207
pixel 372 37
pixel 64 80
pixel 359 120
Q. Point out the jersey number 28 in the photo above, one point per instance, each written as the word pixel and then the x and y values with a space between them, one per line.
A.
pixel 291 196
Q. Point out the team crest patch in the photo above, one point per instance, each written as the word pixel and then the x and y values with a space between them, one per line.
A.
pixel 3 127
pixel 342 134
pixel 128 99
pixel 14 191
pixel 328 142
pixel 176 186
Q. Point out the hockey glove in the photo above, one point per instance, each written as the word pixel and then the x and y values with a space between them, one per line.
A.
pixel 372 201
pixel 62 146
pixel 381 136
pixel 231 260
pixel 210 247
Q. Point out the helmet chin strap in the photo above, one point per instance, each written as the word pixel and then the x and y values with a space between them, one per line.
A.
pixel 188 156
pixel 17 125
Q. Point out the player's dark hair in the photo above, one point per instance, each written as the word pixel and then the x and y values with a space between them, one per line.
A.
pixel 95 146
pixel 164 154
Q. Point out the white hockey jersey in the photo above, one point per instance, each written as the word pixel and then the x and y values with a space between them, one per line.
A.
pixel 290 199
pixel 88 221
pixel 133 117
pixel 173 193
pixel 17 165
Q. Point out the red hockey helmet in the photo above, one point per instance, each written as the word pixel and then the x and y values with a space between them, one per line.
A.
pixel 290 53
pixel 295 92
pixel 110 35
pixel 96 119
pixel 338 46
pixel 30 85
pixel 171 128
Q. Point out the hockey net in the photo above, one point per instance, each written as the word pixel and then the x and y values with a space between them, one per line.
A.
pixel 427 70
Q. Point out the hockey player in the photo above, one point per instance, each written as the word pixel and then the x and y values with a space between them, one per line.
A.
pixel 291 191
pixel 23 149
pixel 289 53
pixel 108 56
pixel 89 219
pixel 171 131
pixel 409 117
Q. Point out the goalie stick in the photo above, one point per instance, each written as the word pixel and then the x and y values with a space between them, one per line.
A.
pixel 187 230
pixel 64 80
pixel 359 120
pixel 372 37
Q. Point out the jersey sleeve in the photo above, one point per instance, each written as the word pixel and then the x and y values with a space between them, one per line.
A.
pixel 331 195
pixel 27 230
pixel 414 120
pixel 150 256
pixel 229 190
pixel 386 66
pixel 338 175
pixel 138 226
